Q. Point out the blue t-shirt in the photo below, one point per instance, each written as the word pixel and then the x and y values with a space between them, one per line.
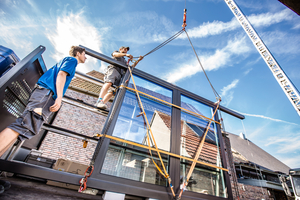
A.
pixel 48 80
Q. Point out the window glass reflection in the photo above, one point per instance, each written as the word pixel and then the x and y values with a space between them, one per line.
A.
pixel 194 125
pixel 131 125
pixel 133 162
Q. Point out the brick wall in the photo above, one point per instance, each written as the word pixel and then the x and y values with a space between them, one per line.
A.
pixel 86 122
pixel 248 192
pixel 75 119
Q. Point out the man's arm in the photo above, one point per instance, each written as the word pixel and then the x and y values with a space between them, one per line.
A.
pixel 118 54
pixel 60 83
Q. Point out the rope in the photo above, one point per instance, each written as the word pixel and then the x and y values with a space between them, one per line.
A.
pixel 215 92
pixel 165 42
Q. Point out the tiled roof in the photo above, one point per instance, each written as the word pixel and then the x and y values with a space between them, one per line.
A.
pixel 96 74
pixel 86 85
pixel 152 93
pixel 209 151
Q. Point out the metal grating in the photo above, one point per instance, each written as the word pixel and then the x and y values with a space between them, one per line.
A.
pixel 16 97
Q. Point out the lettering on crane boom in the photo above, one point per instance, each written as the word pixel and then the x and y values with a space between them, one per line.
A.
pixel 279 74
pixel 282 79
pixel 243 21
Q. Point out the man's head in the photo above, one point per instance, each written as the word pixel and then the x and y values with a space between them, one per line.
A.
pixel 78 53
pixel 123 49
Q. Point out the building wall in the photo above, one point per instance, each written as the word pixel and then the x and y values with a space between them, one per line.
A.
pixel 161 131
pixel 248 192
pixel 76 119
pixel 244 192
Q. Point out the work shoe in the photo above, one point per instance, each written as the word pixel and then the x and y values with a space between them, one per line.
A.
pixel 5 184
pixel 1 189
pixel 101 105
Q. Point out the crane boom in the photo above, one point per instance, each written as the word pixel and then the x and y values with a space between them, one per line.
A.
pixel 282 79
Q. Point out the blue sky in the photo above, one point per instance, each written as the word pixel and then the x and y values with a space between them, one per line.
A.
pixel 232 63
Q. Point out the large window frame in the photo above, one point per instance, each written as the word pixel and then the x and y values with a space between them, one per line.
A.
pixel 121 185
pixel 174 163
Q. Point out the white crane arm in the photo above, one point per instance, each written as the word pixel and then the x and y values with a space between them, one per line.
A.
pixel 282 79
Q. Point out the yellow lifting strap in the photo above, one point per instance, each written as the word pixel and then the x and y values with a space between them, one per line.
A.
pixel 165 173
pixel 161 151
pixel 185 183
pixel 197 114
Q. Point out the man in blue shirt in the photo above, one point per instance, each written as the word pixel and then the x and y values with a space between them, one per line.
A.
pixel 45 99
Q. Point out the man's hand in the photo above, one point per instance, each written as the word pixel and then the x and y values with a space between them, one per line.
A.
pixel 140 58
pixel 55 107
pixel 129 56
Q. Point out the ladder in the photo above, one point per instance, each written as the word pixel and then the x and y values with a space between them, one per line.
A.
pixel 287 86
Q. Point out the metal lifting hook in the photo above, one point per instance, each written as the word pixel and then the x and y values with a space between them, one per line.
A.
pixel 184 19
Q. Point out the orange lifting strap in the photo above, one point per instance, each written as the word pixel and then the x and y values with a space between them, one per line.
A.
pixel 164 172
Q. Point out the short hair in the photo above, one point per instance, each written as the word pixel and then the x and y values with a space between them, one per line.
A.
pixel 74 49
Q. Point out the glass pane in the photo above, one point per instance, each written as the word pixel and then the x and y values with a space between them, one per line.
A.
pixel 194 125
pixel 134 162
pixel 232 124
pixel 296 183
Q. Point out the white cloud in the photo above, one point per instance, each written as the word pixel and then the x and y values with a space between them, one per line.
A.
pixel 268 118
pixel 75 29
pixel 103 67
pixel 221 58
pixel 275 41
pixel 287 146
pixel 232 85
pixel 212 28
pixel 296 26
pixel 2 13
pixel 259 131
pixel 17 34
pixel 248 71
pixel 227 94
pixel 218 27
pixel 33 6
pixel 292 162
pixel 148 27
pixel 267 19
